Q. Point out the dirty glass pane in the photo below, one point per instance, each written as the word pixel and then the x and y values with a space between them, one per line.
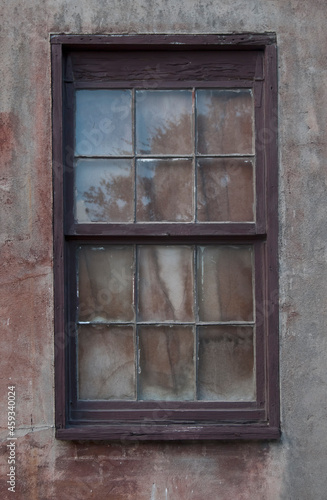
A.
pixel 164 122
pixel 166 363
pixel 106 362
pixel 225 190
pixel 103 122
pixel 105 283
pixel 226 363
pixel 224 121
pixel 225 283
pixel 164 190
pixel 104 190
pixel 165 283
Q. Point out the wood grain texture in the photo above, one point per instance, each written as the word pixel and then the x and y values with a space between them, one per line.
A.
pixel 144 66
pixel 170 432
pixel 58 240
pixel 245 40
pixel 168 230
pixel 272 237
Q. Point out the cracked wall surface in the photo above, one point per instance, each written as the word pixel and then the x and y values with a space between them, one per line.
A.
pixel 295 468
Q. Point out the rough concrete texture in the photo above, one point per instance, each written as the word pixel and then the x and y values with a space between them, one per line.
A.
pixel 294 468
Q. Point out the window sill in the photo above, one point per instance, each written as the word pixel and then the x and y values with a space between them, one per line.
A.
pixel 147 431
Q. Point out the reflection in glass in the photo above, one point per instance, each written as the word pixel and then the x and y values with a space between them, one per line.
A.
pixel 165 282
pixel 166 363
pixel 225 283
pixel 164 190
pixel 164 122
pixel 106 362
pixel 103 122
pixel 105 283
pixel 104 190
pixel 224 121
pixel 226 363
pixel 225 190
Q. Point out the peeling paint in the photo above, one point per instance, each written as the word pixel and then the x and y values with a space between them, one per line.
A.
pixel 153 492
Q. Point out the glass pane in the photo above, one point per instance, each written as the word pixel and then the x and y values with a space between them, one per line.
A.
pixel 225 121
pixel 103 122
pixel 225 283
pixel 104 191
pixel 106 362
pixel 225 190
pixel 226 363
pixel 166 363
pixel 105 285
pixel 164 122
pixel 165 283
pixel 164 190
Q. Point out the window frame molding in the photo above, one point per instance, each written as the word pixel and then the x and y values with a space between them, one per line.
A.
pixel 254 421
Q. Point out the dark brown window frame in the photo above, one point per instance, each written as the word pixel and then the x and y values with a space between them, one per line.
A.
pixel 165 420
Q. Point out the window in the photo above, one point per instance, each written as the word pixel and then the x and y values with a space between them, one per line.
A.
pixel 165 237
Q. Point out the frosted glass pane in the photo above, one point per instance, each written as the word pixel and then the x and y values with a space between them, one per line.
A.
pixel 224 121
pixel 103 122
pixel 104 191
pixel 106 362
pixel 165 283
pixel 225 283
pixel 164 190
pixel 166 363
pixel 105 284
pixel 226 363
pixel 164 122
pixel 225 190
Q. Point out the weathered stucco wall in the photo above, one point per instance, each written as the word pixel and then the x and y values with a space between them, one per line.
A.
pixel 294 468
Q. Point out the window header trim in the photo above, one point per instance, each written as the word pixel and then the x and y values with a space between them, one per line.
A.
pixel 178 42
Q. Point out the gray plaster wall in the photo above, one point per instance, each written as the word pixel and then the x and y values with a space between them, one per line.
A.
pixel 294 468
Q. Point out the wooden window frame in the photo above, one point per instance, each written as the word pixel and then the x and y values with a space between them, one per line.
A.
pixel 141 420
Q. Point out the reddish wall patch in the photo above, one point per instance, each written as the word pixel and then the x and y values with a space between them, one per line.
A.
pixel 8 123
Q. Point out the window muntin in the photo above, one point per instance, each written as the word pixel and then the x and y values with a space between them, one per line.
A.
pixel 180 139
pixel 171 302
pixel 168 155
